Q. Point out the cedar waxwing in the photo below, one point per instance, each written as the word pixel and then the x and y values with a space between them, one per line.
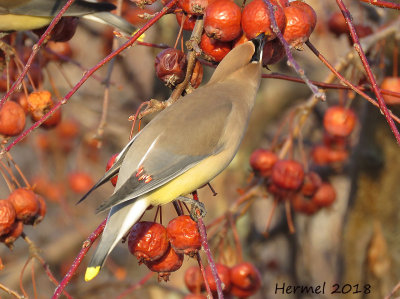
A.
pixel 19 15
pixel 182 148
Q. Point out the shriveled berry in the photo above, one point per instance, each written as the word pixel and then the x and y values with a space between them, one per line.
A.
pixel 63 31
pixel 288 174
pixel 256 20
pixel 197 75
pixel 194 280
pixel 245 277
pixel 12 119
pixel 148 241
pixel 312 181
pixel 298 26
pixel 7 216
pixel 262 161
pixel 274 52
pixel 215 50
pixel 222 20
pixel 339 121
pixel 392 84
pixel 80 182
pixel 170 66
pixel 193 7
pixel 25 204
pixel 188 22
pixel 184 236
pixel 169 262
pixel 142 3
pixel 16 231
pixel 303 204
pixel 307 9
pixel 223 274
pixel 110 163
pixel 39 104
pixel 325 195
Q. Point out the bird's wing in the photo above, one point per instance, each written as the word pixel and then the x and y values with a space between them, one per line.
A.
pixel 49 8
pixel 112 171
pixel 185 144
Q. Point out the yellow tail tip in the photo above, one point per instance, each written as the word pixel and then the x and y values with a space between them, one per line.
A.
pixel 91 272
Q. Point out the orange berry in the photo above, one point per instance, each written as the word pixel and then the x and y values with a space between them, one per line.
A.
pixel 245 278
pixel 339 121
pixel 287 174
pixel 7 216
pixel 312 181
pixel 148 241
pixel 325 195
pixel 262 161
pixel 80 182
pixel 184 236
pixel 14 233
pixel 188 23
pixel 25 204
pixel 193 7
pixel 298 26
pixel 194 280
pixel 12 119
pixel 215 50
pixel 169 262
pixel 392 84
pixel 224 276
pixel 110 163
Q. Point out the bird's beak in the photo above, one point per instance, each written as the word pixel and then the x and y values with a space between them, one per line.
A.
pixel 259 45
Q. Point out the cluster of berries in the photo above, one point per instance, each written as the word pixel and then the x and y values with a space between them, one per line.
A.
pixel 286 180
pixel 241 280
pixel 22 206
pixel 162 249
pixel 339 123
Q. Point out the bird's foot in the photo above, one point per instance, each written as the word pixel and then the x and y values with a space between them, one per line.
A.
pixel 195 206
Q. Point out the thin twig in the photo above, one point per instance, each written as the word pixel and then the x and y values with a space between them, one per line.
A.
pixel 381 3
pixel 11 292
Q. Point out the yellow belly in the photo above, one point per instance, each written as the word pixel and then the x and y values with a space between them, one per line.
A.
pixel 188 182
pixel 20 23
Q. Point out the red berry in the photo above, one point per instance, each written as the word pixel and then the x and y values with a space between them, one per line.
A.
pixel 287 174
pixel 16 230
pixel 335 142
pixel 256 20
pixel 304 204
pixel 282 3
pixel 148 241
pixel 337 24
pixel 273 52
pixel 325 195
pixel 339 121
pixel 184 236
pixel 240 40
pixel 215 50
pixel 22 100
pixel 307 9
pixel 110 163
pixel 195 296
pixel 25 204
pixel 170 66
pixel 188 23
pixel 298 26
pixel 262 161
pixel 245 277
pixel 53 120
pixel 12 119
pixel 194 7
pixel 321 154
pixel 134 15
pixel 224 276
pixel 80 182
pixel 194 280
pixel 7 216
pixel 312 181
pixel 63 31
pixel 362 30
pixel 68 129
pixel 169 262
pixel 392 84
pixel 222 20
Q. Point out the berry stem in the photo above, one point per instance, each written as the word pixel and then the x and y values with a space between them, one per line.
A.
pixel 357 46
pixel 82 253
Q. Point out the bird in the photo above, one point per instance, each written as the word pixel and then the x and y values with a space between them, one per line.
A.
pixel 20 15
pixel 182 148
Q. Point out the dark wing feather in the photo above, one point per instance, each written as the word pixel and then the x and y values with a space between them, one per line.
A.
pixel 112 171
pixel 51 7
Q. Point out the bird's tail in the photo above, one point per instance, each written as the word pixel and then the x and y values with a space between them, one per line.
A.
pixel 120 220
pixel 118 22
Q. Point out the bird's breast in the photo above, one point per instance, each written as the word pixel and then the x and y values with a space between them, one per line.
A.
pixel 12 22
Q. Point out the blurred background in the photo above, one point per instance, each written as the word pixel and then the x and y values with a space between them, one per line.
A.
pixel 355 241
